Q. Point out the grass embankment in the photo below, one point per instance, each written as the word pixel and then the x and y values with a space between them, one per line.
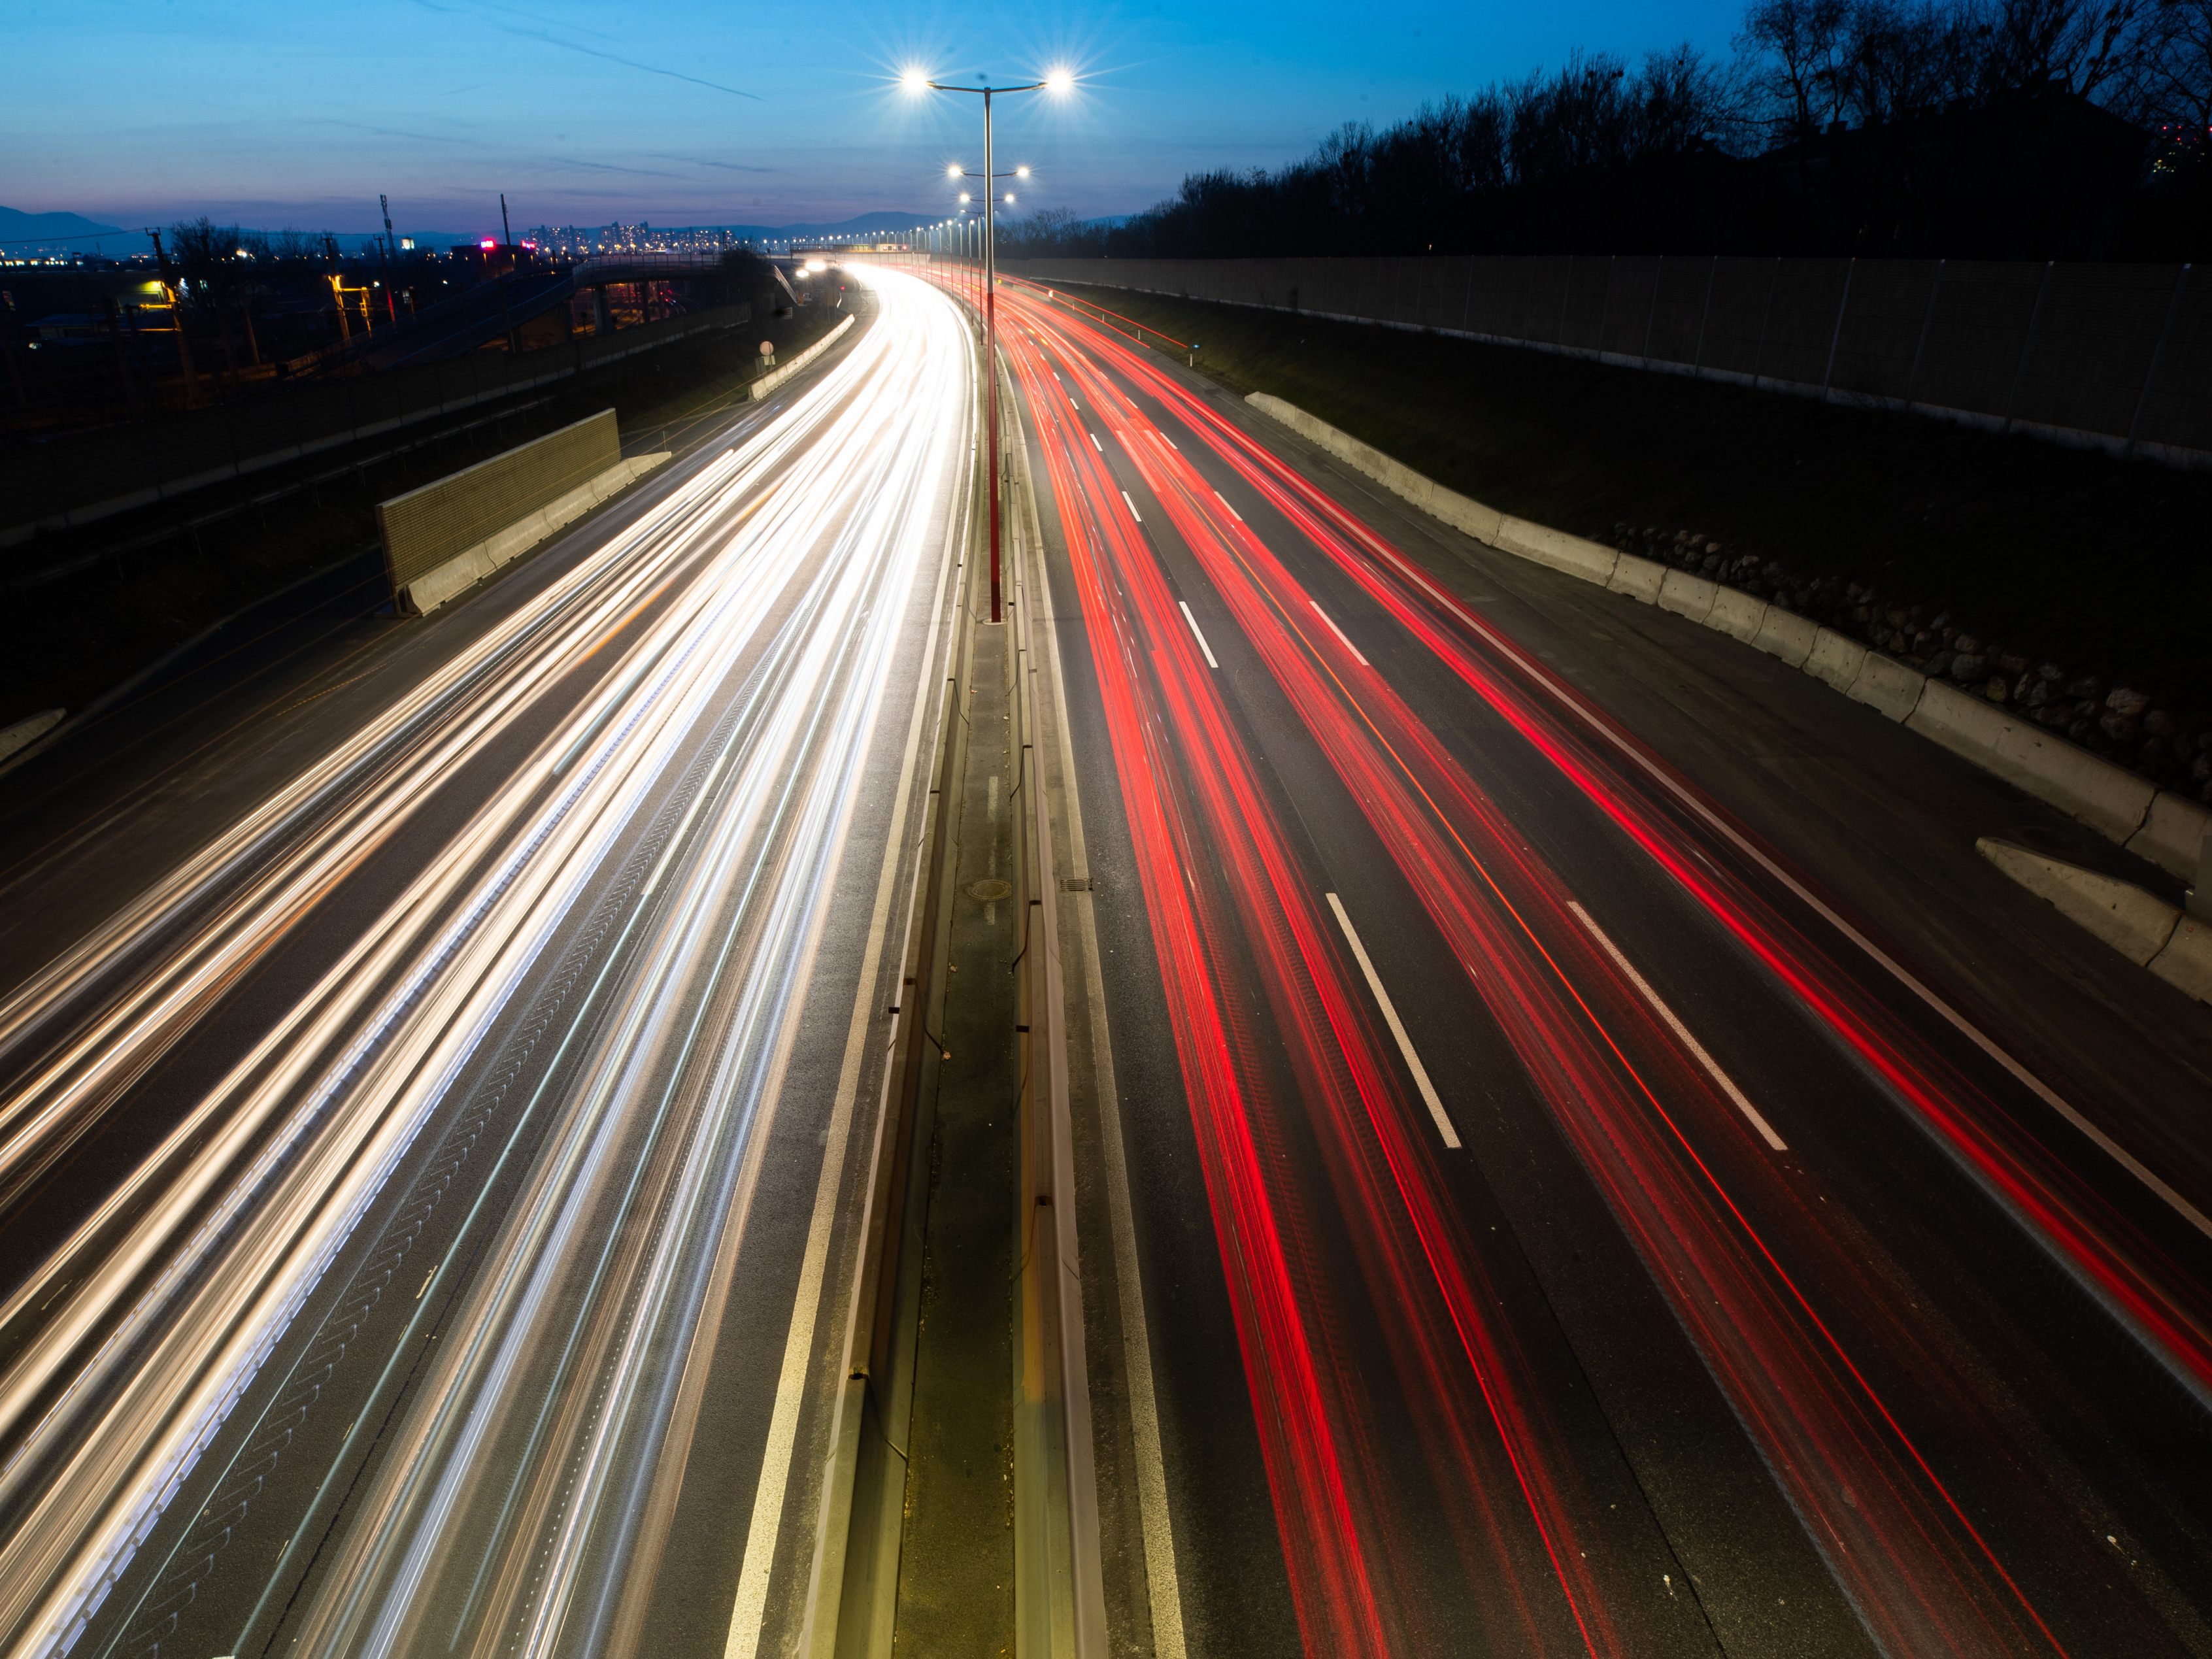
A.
pixel 2049 557
pixel 65 642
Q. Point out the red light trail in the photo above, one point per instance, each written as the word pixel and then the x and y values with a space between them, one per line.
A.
pixel 1807 1325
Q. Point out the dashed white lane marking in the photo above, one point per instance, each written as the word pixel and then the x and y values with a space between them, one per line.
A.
pixel 1133 513
pixel 1233 512
pixel 1696 1048
pixel 1095 445
pixel 1200 637
pixel 1339 634
pixel 1397 1028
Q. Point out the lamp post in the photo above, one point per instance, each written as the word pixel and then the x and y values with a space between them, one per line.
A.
pixel 1059 81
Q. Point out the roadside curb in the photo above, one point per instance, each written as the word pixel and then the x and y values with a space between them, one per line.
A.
pixel 26 731
pixel 776 377
pixel 2154 823
pixel 2142 927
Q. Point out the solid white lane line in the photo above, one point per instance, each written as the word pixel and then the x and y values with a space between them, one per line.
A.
pixel 1339 634
pixel 1696 1048
pixel 1202 645
pixel 1397 1028
pixel 1095 445
pixel 1233 512
pixel 1133 513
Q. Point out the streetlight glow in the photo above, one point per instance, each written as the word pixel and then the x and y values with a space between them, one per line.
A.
pixel 986 277
pixel 915 80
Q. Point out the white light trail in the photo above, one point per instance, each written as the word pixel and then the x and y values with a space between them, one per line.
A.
pixel 757 612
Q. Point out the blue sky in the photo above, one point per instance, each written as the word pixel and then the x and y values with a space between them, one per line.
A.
pixel 287 111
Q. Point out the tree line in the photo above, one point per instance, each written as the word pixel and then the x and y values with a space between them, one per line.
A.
pixel 1963 128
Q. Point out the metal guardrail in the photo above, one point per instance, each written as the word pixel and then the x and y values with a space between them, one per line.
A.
pixel 2115 357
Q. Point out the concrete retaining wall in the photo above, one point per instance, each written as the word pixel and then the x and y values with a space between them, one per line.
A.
pixel 430 526
pixel 2164 827
pixel 446 536
pixel 472 564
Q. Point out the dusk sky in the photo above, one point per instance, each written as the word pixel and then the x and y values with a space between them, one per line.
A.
pixel 273 113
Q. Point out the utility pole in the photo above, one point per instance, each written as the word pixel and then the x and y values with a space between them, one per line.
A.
pixel 176 318
pixel 337 284
pixel 991 332
pixel 514 344
pixel 987 266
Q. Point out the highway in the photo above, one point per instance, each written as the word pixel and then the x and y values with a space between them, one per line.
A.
pixel 1565 1223
pixel 426 1199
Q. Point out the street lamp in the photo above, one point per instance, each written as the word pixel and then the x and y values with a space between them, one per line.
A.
pixel 1058 81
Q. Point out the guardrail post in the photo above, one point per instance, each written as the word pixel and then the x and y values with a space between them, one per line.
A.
pixel 1765 321
pixel 1652 314
pixel 1927 322
pixel 2027 346
pixel 2150 370
pixel 1836 338
pixel 1713 272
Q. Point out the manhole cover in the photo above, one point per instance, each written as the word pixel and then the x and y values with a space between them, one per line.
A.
pixel 990 889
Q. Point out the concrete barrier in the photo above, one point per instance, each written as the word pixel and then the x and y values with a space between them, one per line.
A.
pixel 1686 595
pixel 1640 579
pixel 2109 798
pixel 2142 927
pixel 1835 658
pixel 27 731
pixel 776 377
pixel 1887 685
pixel 472 564
pixel 2136 924
pixel 1463 512
pixel 2186 962
pixel 432 526
pixel 1736 614
pixel 1591 561
pixel 2163 828
pixel 1786 635
pixel 2173 837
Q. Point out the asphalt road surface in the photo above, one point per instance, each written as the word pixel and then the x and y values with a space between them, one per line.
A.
pixel 1607 1173
pixel 426 1120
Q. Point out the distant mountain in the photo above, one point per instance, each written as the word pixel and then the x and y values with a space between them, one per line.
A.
pixel 17 227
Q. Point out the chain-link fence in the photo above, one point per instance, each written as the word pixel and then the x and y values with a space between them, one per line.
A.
pixel 2113 356
pixel 74 480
